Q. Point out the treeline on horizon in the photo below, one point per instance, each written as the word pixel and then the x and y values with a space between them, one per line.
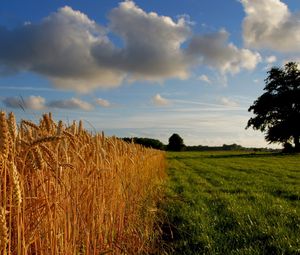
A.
pixel 276 114
pixel 157 144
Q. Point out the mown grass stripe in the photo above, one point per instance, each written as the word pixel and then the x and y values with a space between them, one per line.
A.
pixel 233 203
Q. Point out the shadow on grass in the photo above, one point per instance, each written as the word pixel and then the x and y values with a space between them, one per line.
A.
pixel 231 155
pixel 250 155
pixel 286 195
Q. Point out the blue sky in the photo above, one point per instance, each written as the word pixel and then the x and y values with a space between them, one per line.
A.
pixel 145 68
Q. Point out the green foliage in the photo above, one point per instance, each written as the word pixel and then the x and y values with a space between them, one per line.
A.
pixel 224 147
pixel 147 142
pixel 175 143
pixel 232 203
pixel 278 109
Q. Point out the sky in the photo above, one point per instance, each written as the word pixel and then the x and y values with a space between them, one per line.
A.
pixel 145 68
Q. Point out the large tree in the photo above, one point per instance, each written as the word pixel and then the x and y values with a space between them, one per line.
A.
pixel 175 143
pixel 277 111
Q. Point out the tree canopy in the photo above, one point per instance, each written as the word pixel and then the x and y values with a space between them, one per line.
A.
pixel 147 142
pixel 175 143
pixel 277 111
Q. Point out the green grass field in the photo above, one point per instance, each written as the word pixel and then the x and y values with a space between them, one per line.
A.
pixel 232 203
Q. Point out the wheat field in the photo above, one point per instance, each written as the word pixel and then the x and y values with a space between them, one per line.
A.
pixel 67 191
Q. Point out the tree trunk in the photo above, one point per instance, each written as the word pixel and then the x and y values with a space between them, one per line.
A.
pixel 296 142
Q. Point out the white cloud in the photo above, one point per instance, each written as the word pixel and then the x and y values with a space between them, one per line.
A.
pixel 31 102
pixel 59 47
pixel 102 102
pixel 73 103
pixel 270 24
pixel 76 53
pixel 228 102
pixel 215 51
pixel 160 101
pixel 271 59
pixel 35 102
pixel 39 103
pixel 187 19
pixel 27 88
pixel 204 78
pixel 152 43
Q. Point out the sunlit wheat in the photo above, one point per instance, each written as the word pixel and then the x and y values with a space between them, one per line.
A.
pixel 67 191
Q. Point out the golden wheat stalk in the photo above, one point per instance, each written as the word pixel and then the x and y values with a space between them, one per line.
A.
pixel 45 139
pixel 48 121
pixel 67 165
pixel 60 127
pixel 3 231
pixel 12 126
pixel 29 124
pixel 4 135
pixel 39 161
pixel 49 152
pixel 17 194
pixel 2 165
pixel 80 127
pixel 95 199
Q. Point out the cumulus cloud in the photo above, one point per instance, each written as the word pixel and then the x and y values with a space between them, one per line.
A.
pixel 204 78
pixel 151 44
pixel 271 59
pixel 75 52
pixel 39 103
pixel 73 103
pixel 215 51
pixel 228 102
pixel 270 24
pixel 31 102
pixel 59 47
pixel 160 101
pixel 102 102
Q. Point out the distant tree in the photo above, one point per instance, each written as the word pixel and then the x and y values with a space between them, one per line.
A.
pixel 278 109
pixel 231 147
pixel 147 142
pixel 287 148
pixel 175 143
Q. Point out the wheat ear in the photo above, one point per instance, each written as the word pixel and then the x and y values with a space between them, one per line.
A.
pixel 12 126
pixel 47 121
pixel 39 161
pixel 3 230
pixel 4 135
pixel 49 152
pixel 60 128
pixel 45 139
pixel 17 195
pixel 30 124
